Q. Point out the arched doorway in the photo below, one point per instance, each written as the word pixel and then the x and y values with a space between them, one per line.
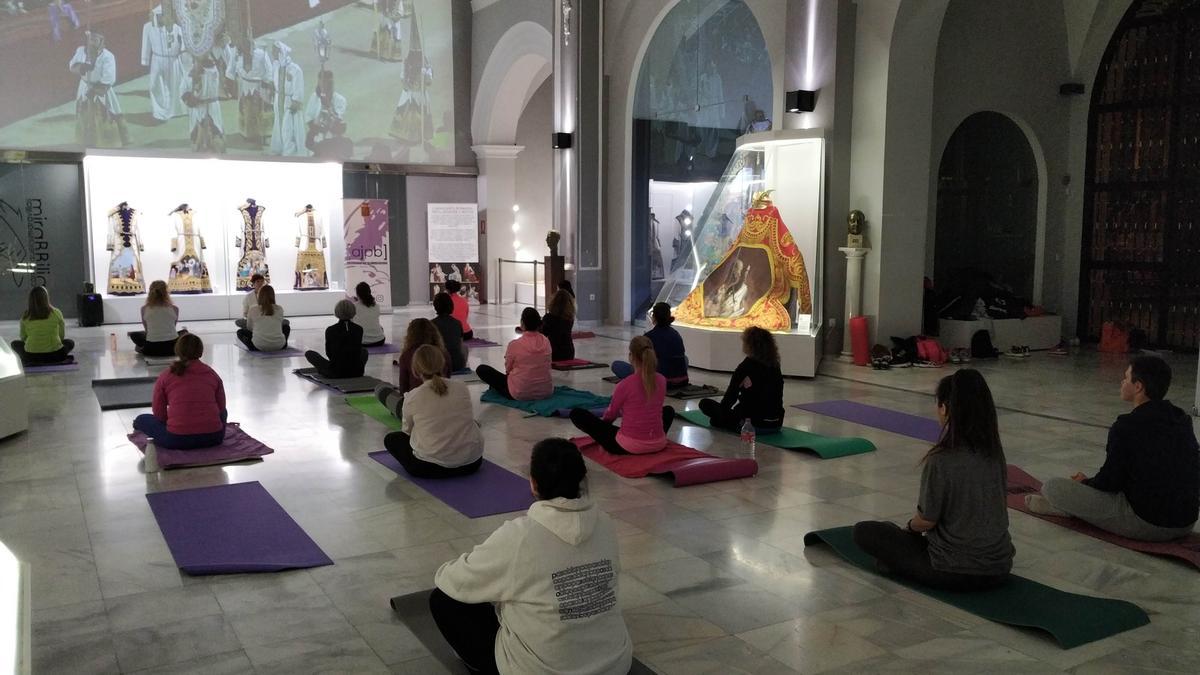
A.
pixel 1141 206
pixel 987 207
pixel 705 78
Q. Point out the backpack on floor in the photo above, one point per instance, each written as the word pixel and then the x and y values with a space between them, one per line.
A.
pixel 931 351
pixel 981 346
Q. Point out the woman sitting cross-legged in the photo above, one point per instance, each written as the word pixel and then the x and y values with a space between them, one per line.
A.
pixel 755 389
pixel 526 362
pixel 367 316
pixel 958 540
pixel 540 595
pixel 43 332
pixel 557 324
pixel 440 438
pixel 343 346
pixel 159 318
pixel 450 329
pixel 420 332
pixel 188 402
pixel 668 347
pixel 638 401
pixel 266 329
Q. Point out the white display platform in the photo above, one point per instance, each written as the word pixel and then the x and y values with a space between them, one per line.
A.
pixel 207 307
pixel 716 349
pixel 14 414
pixel 1036 332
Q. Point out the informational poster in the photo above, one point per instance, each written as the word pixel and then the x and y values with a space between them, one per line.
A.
pixel 368 254
pixel 453 232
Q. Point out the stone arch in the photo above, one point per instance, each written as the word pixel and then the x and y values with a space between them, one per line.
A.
pixel 521 61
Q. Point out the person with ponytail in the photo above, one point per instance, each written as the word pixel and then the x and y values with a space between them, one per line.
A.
pixel 188 402
pixel 159 318
pixel 755 389
pixel 266 328
pixel 440 438
pixel 367 316
pixel 958 539
pixel 421 331
pixel 668 347
pixel 638 401
pixel 540 595
pixel 43 332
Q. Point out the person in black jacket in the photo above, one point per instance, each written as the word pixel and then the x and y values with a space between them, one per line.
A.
pixel 343 345
pixel 557 324
pixel 451 330
pixel 1149 486
pixel 755 389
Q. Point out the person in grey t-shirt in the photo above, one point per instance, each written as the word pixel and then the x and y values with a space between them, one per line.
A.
pixel 958 540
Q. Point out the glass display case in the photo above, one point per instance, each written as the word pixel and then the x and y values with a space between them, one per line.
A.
pixel 753 256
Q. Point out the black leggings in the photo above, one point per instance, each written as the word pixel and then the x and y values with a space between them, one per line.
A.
pixel 494 379
pixel 399 445
pixel 469 335
pixel 247 337
pixel 148 348
pixel 43 358
pixel 469 629
pixel 605 433
pixel 731 419
pixel 906 554
pixel 325 367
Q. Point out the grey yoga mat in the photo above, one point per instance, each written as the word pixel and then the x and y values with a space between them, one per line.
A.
pixel 124 392
pixel 346 385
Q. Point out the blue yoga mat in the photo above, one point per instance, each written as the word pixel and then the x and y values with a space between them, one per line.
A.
pixel 563 398
pixel 913 426
pixel 227 529
pixel 490 490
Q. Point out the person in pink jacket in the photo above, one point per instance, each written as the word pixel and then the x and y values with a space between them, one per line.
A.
pixel 527 362
pixel 638 401
pixel 188 402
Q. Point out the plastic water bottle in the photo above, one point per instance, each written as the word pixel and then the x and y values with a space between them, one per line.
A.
pixel 112 342
pixel 748 439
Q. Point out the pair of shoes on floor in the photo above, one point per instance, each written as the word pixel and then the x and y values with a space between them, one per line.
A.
pixel 1018 352
pixel 926 364
pixel 881 363
pixel 1061 349
pixel 960 355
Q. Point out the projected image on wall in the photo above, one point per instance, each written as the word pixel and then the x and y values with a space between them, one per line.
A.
pixel 334 79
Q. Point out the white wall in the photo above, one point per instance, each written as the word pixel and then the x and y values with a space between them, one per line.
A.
pixel 420 191
pixel 535 193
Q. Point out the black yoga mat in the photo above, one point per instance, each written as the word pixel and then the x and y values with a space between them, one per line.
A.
pixel 124 392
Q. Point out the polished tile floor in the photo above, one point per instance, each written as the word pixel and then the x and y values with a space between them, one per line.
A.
pixel 715 578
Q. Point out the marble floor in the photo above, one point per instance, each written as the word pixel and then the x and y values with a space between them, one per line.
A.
pixel 715 578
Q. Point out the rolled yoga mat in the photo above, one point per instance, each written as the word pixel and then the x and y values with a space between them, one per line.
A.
pixel 238 446
pixel 371 407
pixel 124 392
pixel 1021 484
pixel 52 367
pixel 787 438
pixel 689 392
pixel 562 398
pixel 385 348
pixel 577 364
pixel 344 385
pixel 913 426
pixel 490 490
pixel 685 466
pixel 413 611
pixel 1071 619
pixel 229 529
pixel 286 352
pixel 479 343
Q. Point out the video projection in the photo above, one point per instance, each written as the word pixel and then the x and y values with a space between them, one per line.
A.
pixel 368 80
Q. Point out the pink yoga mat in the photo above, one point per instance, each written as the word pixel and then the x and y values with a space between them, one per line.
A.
pixel 687 466
pixel 1021 484
pixel 237 446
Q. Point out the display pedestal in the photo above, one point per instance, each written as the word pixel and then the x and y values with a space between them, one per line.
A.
pixel 854 274
pixel 208 307
pixel 721 349
pixel 14 414
pixel 556 272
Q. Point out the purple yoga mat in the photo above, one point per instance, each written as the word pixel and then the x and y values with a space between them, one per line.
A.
pixel 490 490
pixel 480 342
pixel 52 368
pixel 913 426
pixel 280 354
pixel 385 348
pixel 228 529
pixel 237 446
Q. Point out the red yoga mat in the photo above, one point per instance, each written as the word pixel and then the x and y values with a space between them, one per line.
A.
pixel 860 341
pixel 687 466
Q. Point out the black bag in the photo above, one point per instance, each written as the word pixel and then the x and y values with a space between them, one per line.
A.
pixel 90 309
pixel 981 346
pixel 904 350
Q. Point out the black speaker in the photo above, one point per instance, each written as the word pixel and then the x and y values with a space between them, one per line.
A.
pixel 560 141
pixel 90 308
pixel 801 100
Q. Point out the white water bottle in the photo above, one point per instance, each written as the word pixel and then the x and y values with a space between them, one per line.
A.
pixel 748 439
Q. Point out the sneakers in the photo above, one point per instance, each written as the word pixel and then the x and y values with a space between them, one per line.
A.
pixel 881 358
pixel 960 355
pixel 1061 349
pixel 1018 352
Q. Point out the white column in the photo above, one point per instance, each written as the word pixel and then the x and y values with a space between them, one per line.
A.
pixel 854 273
pixel 497 194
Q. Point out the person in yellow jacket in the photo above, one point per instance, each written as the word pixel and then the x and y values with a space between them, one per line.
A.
pixel 43 332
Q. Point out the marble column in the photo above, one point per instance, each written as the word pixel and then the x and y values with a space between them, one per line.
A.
pixel 497 192
pixel 854 278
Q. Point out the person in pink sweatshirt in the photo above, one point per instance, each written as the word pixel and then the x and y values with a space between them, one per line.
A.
pixel 638 401
pixel 188 402
pixel 527 362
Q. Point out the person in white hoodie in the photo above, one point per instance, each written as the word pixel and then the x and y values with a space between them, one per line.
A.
pixel 540 595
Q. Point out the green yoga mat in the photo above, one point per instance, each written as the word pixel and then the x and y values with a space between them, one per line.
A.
pixel 562 398
pixel 788 438
pixel 1071 619
pixel 370 406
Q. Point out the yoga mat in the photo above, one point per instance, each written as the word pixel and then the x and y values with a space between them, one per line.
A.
pixel 562 398
pixel 611 378
pixel 413 611
pixel 345 385
pixel 479 343
pixel 158 360
pixel 238 446
pixel 52 368
pixel 462 371
pixel 566 412
pixel 1021 484
pixel 490 490
pixel 582 335
pixel 1071 619
pixel 692 391
pixel 787 438
pixel 278 354
pixel 385 348
pixel 576 364
pixel 124 392
pixel 228 529
pixel 913 426
pixel 371 407
pixel 685 466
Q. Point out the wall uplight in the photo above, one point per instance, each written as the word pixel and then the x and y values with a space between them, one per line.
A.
pixel 516 208
pixel 516 244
